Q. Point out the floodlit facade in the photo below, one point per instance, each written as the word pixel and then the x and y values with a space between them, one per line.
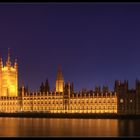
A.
pixel 68 103
pixel 8 78
pixel 59 81
pixel 59 103
pixel 64 100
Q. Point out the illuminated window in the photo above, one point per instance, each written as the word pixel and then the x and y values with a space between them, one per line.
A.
pixel 131 101
pixel 121 100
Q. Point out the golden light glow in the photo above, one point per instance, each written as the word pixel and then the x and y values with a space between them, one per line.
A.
pixel 8 79
pixel 59 81
pixel 56 104
pixel 59 86
pixel 50 102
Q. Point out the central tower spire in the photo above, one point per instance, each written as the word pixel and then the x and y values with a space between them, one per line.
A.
pixel 59 73
pixel 59 80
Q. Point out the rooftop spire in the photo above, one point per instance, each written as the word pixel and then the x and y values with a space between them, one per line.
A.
pixel 8 54
pixel 59 80
pixel 8 58
pixel 59 73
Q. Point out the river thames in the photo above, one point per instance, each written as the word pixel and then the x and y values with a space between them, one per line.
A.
pixel 18 127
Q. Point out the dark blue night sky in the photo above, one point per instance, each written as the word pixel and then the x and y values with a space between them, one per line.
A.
pixel 95 44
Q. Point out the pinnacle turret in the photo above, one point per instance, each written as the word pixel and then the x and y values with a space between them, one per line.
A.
pixel 8 63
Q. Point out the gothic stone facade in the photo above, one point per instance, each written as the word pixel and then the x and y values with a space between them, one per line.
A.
pixel 64 100
pixel 54 102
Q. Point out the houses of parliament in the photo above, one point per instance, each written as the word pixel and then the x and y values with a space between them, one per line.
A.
pixel 64 100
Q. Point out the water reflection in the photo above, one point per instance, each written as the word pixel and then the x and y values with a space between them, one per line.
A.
pixel 68 127
pixel 129 127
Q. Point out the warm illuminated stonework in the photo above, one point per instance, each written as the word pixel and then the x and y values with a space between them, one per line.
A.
pixel 8 78
pixel 59 81
pixel 64 100
pixel 59 103
pixel 71 103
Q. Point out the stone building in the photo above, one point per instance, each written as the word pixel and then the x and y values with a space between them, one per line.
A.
pixel 64 100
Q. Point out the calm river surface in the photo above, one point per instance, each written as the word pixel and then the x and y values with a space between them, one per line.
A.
pixel 15 127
